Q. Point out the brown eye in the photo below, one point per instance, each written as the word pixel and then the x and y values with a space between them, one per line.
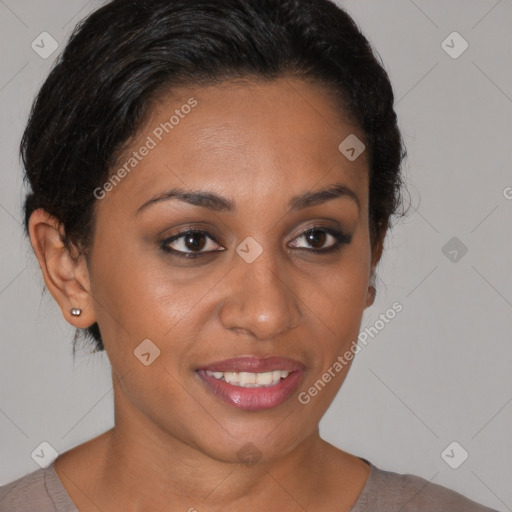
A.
pixel 190 243
pixel 316 239
pixel 194 241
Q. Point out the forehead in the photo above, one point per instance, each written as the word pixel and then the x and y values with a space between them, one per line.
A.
pixel 240 138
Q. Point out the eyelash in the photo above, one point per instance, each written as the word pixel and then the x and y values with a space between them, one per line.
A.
pixel 340 240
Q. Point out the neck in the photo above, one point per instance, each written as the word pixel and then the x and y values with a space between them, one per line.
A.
pixel 171 472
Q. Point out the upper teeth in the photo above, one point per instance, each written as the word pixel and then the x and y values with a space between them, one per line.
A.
pixel 250 380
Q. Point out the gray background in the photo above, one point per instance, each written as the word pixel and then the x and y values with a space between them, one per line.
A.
pixel 439 372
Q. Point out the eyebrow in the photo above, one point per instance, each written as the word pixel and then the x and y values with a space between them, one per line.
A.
pixel 218 203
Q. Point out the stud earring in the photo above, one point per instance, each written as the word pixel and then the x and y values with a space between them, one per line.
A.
pixel 76 312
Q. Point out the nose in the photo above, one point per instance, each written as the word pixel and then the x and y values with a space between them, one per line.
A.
pixel 260 301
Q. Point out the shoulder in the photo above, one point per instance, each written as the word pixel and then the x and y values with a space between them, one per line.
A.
pixel 387 491
pixel 39 491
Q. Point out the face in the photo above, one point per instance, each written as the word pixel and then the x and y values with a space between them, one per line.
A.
pixel 217 246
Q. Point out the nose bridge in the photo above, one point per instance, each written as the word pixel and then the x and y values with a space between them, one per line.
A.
pixel 260 301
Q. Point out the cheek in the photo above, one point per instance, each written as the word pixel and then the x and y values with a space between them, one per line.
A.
pixel 339 294
pixel 339 305
pixel 338 299
pixel 139 295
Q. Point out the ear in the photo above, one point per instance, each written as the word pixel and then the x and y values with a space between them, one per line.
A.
pixel 377 249
pixel 66 275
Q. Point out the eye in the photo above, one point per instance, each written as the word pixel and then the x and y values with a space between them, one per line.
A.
pixel 190 244
pixel 318 238
pixel 194 243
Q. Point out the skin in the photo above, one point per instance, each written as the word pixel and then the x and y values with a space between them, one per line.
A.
pixel 175 444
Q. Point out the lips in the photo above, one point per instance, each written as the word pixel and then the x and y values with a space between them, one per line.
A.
pixel 252 383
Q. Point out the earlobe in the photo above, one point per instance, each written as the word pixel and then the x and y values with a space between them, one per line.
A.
pixel 66 275
pixel 372 291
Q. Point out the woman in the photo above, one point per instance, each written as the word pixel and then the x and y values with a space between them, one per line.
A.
pixel 211 185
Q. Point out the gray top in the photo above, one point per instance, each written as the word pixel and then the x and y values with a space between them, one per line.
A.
pixel 384 491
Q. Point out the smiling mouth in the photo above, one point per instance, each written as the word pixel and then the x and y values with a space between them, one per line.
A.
pixel 252 383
